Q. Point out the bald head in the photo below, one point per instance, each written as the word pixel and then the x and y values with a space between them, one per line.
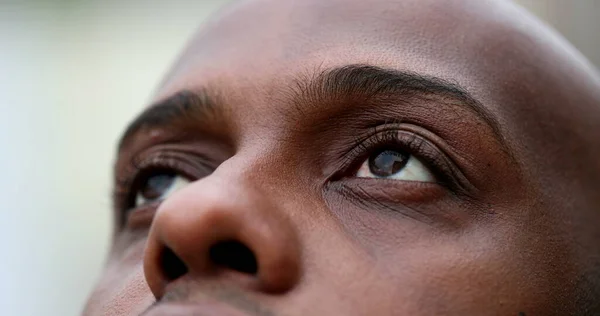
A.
pixel 415 157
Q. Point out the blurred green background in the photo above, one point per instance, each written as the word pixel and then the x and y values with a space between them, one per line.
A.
pixel 72 73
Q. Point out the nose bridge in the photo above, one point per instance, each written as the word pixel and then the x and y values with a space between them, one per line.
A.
pixel 226 206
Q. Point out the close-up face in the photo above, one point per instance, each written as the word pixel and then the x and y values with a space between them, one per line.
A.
pixel 408 157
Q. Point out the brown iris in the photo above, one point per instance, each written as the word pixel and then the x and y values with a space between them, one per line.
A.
pixel 387 163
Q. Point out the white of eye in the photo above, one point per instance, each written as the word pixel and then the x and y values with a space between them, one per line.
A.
pixel 391 164
pixel 158 187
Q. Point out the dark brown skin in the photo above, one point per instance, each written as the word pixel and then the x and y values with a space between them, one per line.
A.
pixel 272 114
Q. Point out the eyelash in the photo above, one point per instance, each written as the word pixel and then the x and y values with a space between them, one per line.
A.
pixel 444 171
pixel 392 138
pixel 141 167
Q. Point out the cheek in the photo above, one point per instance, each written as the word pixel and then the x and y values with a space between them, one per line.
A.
pixel 448 278
pixel 474 273
pixel 487 265
pixel 122 290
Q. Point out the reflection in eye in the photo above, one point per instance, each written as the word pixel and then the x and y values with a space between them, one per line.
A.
pixel 394 164
pixel 158 186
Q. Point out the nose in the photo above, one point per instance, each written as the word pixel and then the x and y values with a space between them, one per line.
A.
pixel 214 226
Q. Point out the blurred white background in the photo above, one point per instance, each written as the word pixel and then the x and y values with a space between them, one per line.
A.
pixel 72 74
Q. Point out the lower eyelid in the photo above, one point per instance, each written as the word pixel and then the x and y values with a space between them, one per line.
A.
pixel 424 202
pixel 394 190
pixel 142 216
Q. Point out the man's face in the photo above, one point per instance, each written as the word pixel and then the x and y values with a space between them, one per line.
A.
pixel 361 158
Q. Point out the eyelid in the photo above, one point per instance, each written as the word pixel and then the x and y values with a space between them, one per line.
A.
pixel 152 161
pixel 186 164
pixel 405 137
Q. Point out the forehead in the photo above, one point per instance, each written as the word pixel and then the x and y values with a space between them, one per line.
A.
pixel 255 47
pixel 516 68
pixel 463 41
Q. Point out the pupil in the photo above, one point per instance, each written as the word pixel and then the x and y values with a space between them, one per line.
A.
pixel 387 163
pixel 156 185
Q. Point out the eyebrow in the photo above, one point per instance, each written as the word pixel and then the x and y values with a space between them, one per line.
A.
pixel 184 105
pixel 350 80
pixel 362 82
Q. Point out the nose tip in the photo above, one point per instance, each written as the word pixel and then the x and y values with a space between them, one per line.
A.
pixel 200 232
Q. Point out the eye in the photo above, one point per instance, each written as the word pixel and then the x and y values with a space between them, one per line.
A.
pixel 157 186
pixel 394 164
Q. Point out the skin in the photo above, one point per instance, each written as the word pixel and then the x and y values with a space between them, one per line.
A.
pixel 508 225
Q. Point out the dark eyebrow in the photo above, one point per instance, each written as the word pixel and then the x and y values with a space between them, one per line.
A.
pixel 185 104
pixel 337 83
pixel 365 81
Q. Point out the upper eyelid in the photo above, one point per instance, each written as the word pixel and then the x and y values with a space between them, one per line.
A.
pixel 388 137
pixel 385 130
pixel 172 156
pixel 414 139
pixel 190 157
pixel 186 164
pixel 180 164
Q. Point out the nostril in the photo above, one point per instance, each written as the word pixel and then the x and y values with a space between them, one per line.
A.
pixel 234 255
pixel 172 266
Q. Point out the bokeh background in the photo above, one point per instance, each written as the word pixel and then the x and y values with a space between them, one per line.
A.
pixel 72 74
